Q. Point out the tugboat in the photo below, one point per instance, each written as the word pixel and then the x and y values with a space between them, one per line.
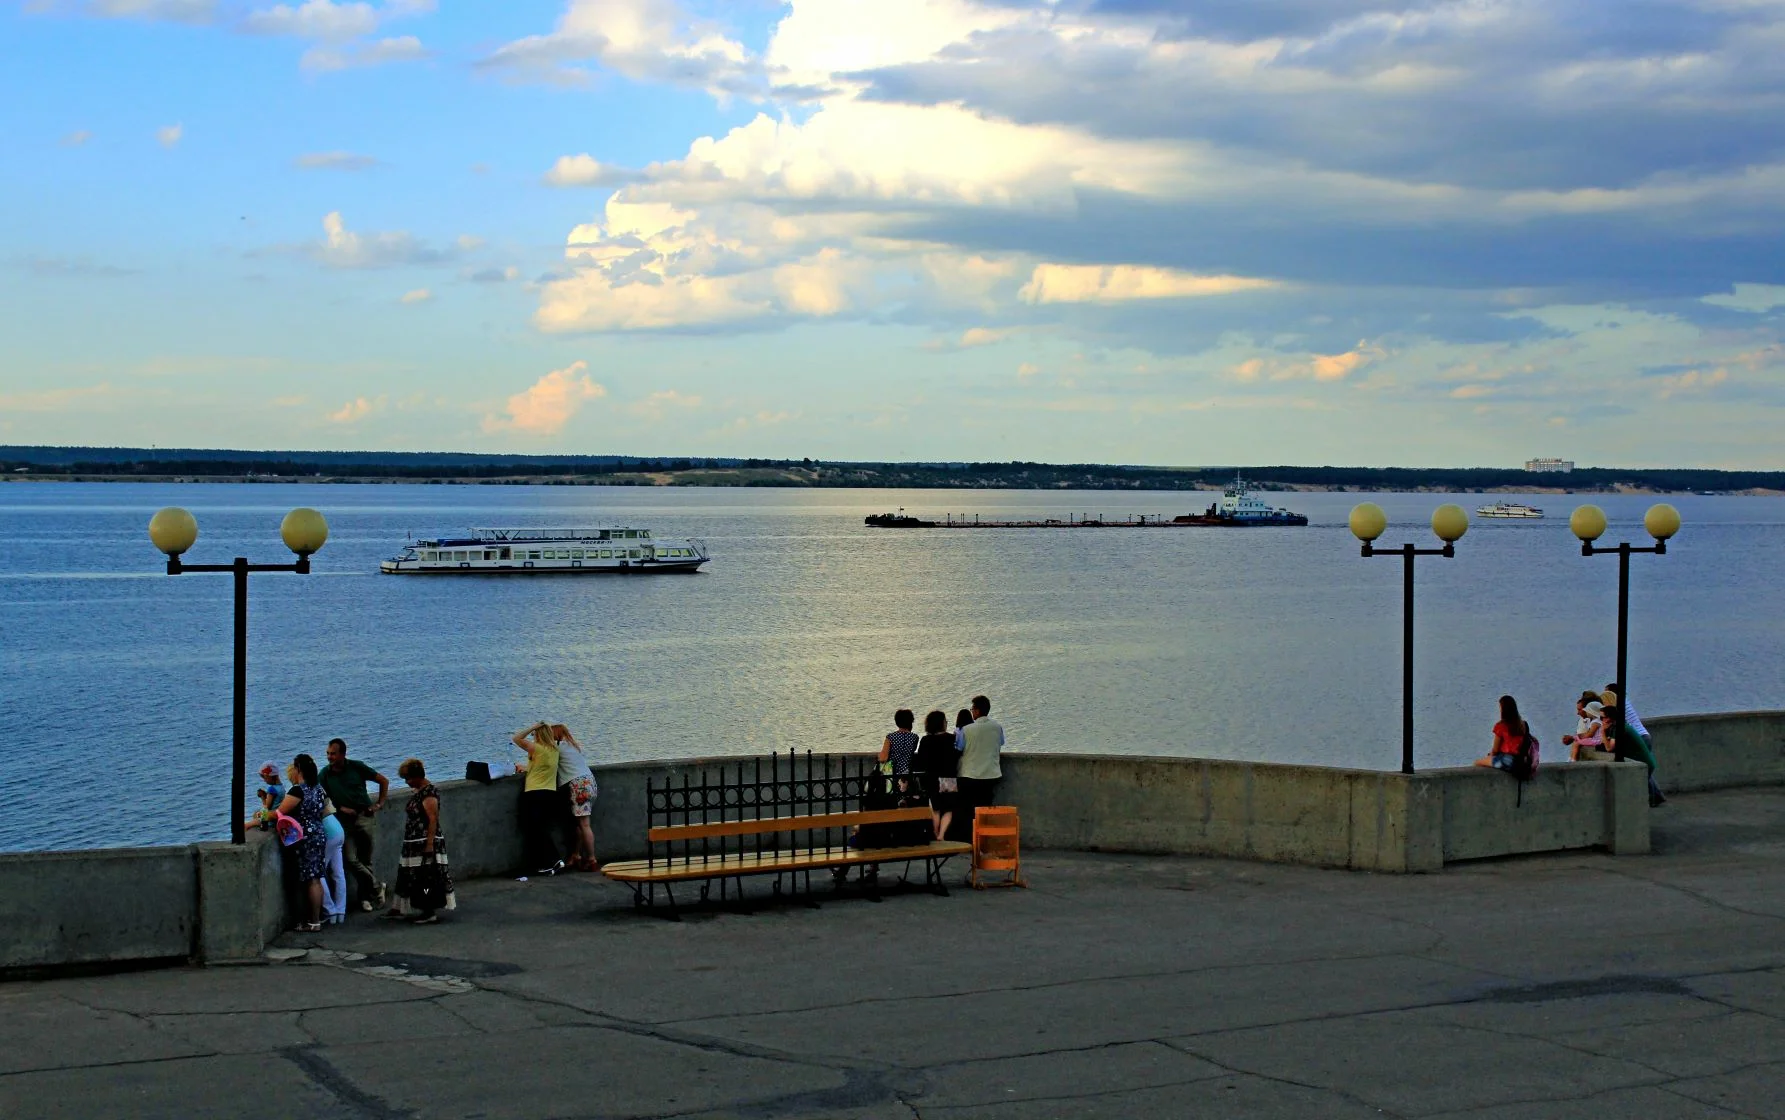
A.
pixel 583 551
pixel 1239 508
pixel 1508 510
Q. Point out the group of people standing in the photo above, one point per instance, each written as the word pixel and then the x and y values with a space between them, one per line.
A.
pixel 958 770
pixel 1605 730
pixel 324 815
pixel 558 778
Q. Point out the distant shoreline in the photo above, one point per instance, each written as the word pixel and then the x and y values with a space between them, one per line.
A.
pixel 132 464
pixel 671 479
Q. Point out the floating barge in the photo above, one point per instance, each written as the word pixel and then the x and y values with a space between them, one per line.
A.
pixel 1237 508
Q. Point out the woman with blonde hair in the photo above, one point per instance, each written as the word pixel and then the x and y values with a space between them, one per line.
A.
pixel 423 880
pixel 540 800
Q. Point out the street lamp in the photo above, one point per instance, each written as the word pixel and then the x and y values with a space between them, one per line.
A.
pixel 1368 522
pixel 1588 523
pixel 173 531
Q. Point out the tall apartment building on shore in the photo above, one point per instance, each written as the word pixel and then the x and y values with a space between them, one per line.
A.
pixel 1562 465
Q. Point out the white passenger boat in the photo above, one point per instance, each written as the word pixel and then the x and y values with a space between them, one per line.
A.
pixel 546 551
pixel 1508 509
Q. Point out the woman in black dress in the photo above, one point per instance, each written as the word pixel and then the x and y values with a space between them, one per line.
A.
pixel 423 879
pixel 938 761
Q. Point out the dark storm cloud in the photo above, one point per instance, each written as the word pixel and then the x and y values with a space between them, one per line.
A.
pixel 1558 95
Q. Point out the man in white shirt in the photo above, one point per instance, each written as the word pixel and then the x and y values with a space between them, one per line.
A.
pixel 1634 723
pixel 980 747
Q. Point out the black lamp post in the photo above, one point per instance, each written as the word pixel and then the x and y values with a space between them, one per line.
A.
pixel 1588 523
pixel 173 531
pixel 1449 522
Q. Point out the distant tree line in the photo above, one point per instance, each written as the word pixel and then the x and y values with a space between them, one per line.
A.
pixel 124 463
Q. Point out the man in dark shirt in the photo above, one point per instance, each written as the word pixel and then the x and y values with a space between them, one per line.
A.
pixel 344 780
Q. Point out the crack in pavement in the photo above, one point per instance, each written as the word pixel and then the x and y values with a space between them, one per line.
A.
pixel 332 1081
pixel 1697 896
pixel 1340 1093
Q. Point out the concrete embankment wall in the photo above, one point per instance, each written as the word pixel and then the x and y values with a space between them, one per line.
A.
pixel 1719 751
pixel 1327 817
pixel 216 902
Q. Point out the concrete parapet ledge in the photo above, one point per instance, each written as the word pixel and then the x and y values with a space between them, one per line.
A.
pixel 1719 751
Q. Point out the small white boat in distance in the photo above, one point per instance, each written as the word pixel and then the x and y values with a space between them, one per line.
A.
pixel 545 551
pixel 1508 509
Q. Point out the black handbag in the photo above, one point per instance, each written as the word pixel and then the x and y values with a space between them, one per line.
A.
pixel 430 885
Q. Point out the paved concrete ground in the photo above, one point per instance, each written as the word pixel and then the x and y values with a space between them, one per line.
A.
pixel 1116 986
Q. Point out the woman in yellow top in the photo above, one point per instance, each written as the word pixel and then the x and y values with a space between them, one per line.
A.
pixel 541 804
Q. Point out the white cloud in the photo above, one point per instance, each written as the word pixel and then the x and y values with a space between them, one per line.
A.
pixel 981 336
pixel 1693 381
pixel 400 48
pixel 1063 283
pixel 1754 298
pixel 170 135
pixel 169 11
pixel 335 161
pixel 314 19
pixel 640 39
pixel 549 403
pixel 417 295
pixel 577 171
pixel 1026 370
pixel 1317 367
pixel 356 410
pixel 76 138
pixel 343 248
pixel 659 404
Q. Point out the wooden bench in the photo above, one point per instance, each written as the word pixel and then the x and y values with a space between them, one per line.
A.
pixel 787 845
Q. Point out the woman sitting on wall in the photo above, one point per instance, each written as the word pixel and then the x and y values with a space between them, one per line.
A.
pixel 423 880
pixel 1509 735
pixel 1588 741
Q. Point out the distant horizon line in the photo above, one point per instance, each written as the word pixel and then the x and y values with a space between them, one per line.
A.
pixel 65 455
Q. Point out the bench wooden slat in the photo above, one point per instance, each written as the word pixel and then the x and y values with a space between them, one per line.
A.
pixel 760 863
pixel 765 825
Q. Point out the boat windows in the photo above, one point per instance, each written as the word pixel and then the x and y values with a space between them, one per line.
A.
pixel 430 556
pixel 533 554
pixel 505 554
pixel 489 554
pixel 644 534
pixel 636 554
pixel 576 554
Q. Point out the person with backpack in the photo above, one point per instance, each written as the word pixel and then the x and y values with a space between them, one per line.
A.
pixel 1510 737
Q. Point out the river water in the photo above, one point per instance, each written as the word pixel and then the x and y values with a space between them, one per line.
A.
pixel 808 629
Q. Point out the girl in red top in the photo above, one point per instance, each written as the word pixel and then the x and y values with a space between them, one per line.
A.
pixel 1509 734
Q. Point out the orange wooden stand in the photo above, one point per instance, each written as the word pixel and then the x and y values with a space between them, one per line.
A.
pixel 996 846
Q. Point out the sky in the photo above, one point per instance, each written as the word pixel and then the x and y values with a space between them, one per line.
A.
pixel 1361 232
